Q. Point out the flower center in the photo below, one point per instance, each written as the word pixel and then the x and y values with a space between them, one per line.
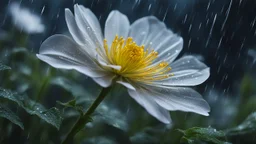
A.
pixel 135 61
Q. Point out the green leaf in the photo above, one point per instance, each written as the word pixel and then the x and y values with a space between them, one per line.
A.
pixel 72 104
pixel 195 134
pixel 111 115
pixel 5 112
pixel 51 116
pixel 246 127
pixel 4 67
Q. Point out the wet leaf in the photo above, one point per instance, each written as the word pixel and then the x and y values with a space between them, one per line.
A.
pixel 3 67
pixel 195 134
pixel 246 127
pixel 5 112
pixel 112 116
pixel 51 116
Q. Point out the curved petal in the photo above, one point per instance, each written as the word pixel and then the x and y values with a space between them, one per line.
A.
pixel 156 32
pixel 139 30
pixel 164 41
pixel 93 21
pixel 179 98
pixel 152 33
pixel 126 84
pixel 61 52
pixel 101 62
pixel 187 71
pixel 116 24
pixel 105 81
pixel 143 98
pixel 73 28
pixel 89 26
pixel 169 47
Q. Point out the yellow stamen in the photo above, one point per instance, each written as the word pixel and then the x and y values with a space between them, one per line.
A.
pixel 136 62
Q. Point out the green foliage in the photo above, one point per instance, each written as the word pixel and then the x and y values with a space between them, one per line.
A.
pixel 75 89
pixel 4 67
pixel 5 112
pixel 112 116
pixel 99 140
pixel 151 135
pixel 73 105
pixel 246 127
pixel 195 134
pixel 51 116
pixel 247 87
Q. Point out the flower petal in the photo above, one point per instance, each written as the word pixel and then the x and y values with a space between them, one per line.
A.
pixel 187 71
pixel 155 34
pixel 88 26
pixel 179 98
pixel 93 21
pixel 101 62
pixel 152 33
pixel 73 28
pixel 126 84
pixel 169 47
pixel 61 52
pixel 143 98
pixel 105 81
pixel 139 30
pixel 116 24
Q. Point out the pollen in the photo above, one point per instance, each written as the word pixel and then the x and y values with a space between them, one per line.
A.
pixel 136 62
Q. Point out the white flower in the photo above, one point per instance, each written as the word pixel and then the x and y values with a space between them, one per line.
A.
pixel 139 56
pixel 23 19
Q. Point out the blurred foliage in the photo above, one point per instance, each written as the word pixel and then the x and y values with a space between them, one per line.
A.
pixel 51 116
pixel 246 127
pixel 195 134
pixel 5 112
pixel 4 67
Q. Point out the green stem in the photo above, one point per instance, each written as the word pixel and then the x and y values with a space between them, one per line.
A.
pixel 85 118
pixel 44 85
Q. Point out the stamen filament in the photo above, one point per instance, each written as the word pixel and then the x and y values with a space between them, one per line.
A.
pixel 135 61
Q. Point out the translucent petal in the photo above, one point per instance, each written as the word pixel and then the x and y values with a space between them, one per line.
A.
pixel 152 33
pixel 78 35
pixel 116 24
pixel 87 27
pixel 187 71
pixel 139 30
pixel 93 21
pixel 61 52
pixel 143 98
pixel 73 28
pixel 105 81
pixel 126 84
pixel 179 98
pixel 101 62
